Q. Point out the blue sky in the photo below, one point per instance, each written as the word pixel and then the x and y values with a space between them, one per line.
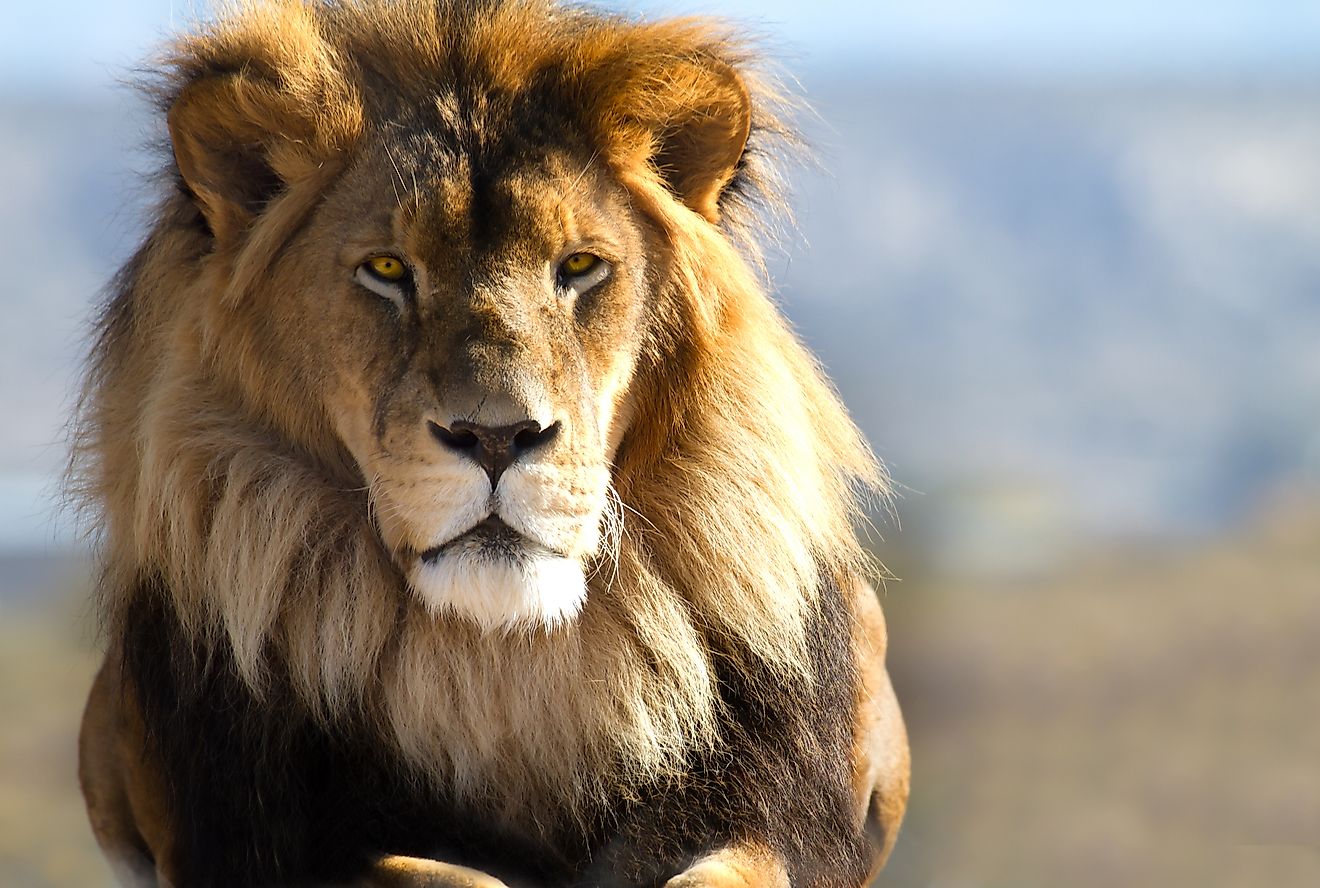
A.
pixel 98 40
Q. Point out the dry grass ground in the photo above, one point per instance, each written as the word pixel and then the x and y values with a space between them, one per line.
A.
pixel 47 659
pixel 1139 719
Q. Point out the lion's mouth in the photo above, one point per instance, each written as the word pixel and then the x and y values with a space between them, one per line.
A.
pixel 490 537
pixel 499 578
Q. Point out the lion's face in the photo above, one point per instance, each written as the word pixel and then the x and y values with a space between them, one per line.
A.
pixel 454 263
pixel 471 336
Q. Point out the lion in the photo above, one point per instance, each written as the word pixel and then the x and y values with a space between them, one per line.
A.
pixel 467 513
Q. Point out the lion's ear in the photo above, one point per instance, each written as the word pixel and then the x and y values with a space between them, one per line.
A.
pixel 221 147
pixel 702 134
pixel 239 140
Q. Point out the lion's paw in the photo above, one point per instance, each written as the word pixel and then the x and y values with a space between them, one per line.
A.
pixel 711 874
pixel 732 869
pixel 415 872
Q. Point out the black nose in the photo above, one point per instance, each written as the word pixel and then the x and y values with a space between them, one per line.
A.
pixel 494 448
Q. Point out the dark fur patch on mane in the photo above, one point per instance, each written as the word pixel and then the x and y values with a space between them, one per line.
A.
pixel 316 806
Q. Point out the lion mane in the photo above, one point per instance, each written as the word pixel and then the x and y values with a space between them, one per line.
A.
pixel 733 493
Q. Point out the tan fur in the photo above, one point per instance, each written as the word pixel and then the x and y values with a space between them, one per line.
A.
pixel 122 784
pixel 881 759
pixel 742 866
pixel 207 464
pixel 413 872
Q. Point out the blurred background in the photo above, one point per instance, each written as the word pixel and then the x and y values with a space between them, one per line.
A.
pixel 1063 262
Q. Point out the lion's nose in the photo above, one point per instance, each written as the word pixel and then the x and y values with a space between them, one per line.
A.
pixel 494 448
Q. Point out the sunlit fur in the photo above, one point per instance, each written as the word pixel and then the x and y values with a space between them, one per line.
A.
pixel 202 468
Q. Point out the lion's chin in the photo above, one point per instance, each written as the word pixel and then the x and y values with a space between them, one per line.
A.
pixel 526 590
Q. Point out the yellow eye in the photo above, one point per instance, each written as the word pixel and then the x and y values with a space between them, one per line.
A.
pixel 579 264
pixel 387 268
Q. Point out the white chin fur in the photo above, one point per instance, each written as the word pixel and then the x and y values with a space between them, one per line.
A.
pixel 534 590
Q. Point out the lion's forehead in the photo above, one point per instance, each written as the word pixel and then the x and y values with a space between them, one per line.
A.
pixel 492 185
pixel 487 225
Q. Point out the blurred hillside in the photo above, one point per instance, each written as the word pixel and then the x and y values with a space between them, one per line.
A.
pixel 1056 312
pixel 1107 296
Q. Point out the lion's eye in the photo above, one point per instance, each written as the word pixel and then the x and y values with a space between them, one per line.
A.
pixel 387 268
pixel 582 271
pixel 579 264
pixel 386 276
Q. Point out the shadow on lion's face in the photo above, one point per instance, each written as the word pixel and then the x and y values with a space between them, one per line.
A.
pixel 471 325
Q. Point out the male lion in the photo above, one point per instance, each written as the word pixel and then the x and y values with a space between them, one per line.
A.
pixel 469 514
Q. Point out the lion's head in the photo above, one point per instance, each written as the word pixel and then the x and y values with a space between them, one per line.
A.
pixel 444 387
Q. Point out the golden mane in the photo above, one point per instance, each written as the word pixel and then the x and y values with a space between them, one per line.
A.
pixel 735 486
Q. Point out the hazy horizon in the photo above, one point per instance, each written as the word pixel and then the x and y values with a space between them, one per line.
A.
pixel 1055 312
